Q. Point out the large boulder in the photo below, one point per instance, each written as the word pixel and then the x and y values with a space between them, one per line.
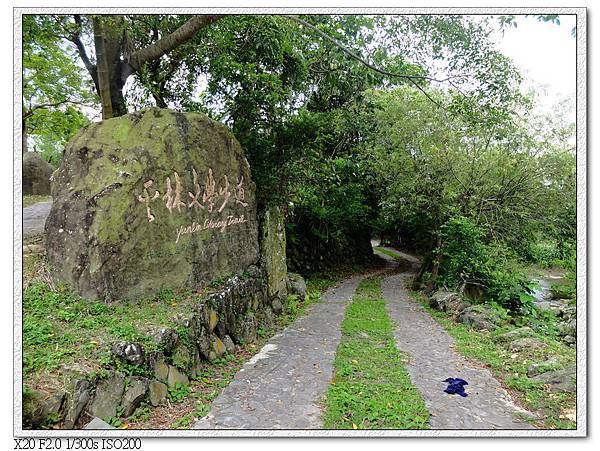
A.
pixel 151 200
pixel 36 174
pixel 480 317
pixel 448 301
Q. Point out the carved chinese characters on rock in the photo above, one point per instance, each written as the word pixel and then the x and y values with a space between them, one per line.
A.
pixel 211 197
pixel 172 197
pixel 146 199
pixel 196 194
pixel 239 192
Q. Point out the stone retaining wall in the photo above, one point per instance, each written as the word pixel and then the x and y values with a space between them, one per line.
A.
pixel 221 321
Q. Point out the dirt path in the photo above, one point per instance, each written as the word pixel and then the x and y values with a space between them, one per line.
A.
pixel 281 386
pixel 433 359
pixel 34 218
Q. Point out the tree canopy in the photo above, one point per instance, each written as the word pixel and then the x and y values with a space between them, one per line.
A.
pixel 411 127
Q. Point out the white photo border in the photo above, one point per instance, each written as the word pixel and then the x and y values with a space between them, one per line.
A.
pixel 581 154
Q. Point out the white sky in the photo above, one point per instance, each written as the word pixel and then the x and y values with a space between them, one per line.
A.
pixel 545 53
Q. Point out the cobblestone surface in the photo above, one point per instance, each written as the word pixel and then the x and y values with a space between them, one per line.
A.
pixel 432 359
pixel 281 386
pixel 34 218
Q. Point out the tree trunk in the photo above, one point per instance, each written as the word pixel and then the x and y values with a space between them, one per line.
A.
pixel 108 37
pixel 110 41
pixel 424 267
pixel 431 285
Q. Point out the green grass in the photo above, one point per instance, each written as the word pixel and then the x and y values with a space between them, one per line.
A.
pixel 34 199
pixel 60 328
pixel 371 388
pixel 322 281
pixel 385 251
pixel 510 367
pixel 215 376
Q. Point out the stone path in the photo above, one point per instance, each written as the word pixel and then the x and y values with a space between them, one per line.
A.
pixel 34 218
pixel 281 386
pixel 433 359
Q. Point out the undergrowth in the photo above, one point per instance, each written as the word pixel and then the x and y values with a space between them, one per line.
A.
pixel 555 410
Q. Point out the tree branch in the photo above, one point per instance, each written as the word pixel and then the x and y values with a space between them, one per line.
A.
pixel 353 55
pixel 75 38
pixel 28 112
pixel 169 42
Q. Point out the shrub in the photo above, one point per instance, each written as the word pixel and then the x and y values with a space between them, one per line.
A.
pixel 543 252
pixel 466 257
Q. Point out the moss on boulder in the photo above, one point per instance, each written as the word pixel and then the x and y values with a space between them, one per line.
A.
pixel 272 245
pixel 151 200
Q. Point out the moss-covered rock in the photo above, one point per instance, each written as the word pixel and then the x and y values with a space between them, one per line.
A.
pixel 36 174
pixel 151 200
pixel 182 357
pixel 76 402
pixel 136 390
pixel 218 347
pixel 176 377
pixel 272 248
pixel 42 409
pixel 158 392
pixel 107 397
pixel 296 285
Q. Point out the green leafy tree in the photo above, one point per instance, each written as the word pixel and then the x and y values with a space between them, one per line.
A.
pixel 54 88
pixel 445 179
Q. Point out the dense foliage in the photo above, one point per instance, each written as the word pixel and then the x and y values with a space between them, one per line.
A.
pixel 478 202
pixel 55 90
pixel 411 127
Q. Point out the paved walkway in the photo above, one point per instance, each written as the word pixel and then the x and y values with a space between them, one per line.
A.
pixel 281 386
pixel 34 218
pixel 432 359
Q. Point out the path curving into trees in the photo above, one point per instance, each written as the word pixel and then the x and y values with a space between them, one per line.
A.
pixel 283 386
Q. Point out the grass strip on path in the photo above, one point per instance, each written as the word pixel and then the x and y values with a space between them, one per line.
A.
pixel 392 254
pixel 371 388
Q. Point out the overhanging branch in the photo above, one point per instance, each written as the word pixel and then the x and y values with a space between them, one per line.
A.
pixel 171 41
pixel 75 38
pixel 347 51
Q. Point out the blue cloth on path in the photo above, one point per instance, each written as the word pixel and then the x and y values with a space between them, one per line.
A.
pixel 456 386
